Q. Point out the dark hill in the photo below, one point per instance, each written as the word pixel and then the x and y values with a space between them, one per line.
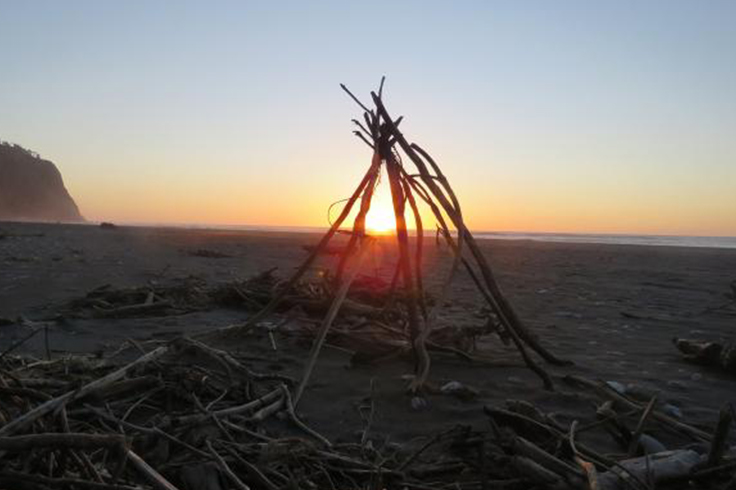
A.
pixel 32 188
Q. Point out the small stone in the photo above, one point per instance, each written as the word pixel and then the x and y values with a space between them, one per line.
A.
pixel 639 392
pixel 650 445
pixel 451 386
pixel 418 403
pixel 455 388
pixel 672 410
pixel 677 385
pixel 618 387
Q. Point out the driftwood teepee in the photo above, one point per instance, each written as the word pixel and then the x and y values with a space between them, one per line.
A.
pixel 381 133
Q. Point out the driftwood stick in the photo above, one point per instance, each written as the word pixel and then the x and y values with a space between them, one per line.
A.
pixel 455 247
pixel 412 457
pixel 440 177
pixel 9 477
pixel 460 238
pixel 359 222
pixel 252 470
pixel 276 300
pixel 352 96
pixel 421 357
pixel 636 435
pixel 527 448
pixel 720 436
pixel 131 310
pixel 364 139
pixel 82 460
pixel 363 128
pixel 225 359
pixel 588 468
pixel 298 422
pixel 329 318
pixel 418 259
pixel 153 476
pixel 62 440
pixel 226 469
pixel 251 406
pixel 380 87
pixel 591 472
pixel 45 408
pixel 20 342
pixel 372 123
pixel 494 412
pixel 267 411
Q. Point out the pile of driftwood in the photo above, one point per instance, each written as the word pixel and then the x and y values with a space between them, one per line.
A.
pixel 368 322
pixel 186 415
pixel 172 297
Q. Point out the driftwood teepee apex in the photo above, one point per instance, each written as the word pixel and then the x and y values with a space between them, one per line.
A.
pixel 381 133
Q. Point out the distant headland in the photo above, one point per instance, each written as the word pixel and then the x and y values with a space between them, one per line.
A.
pixel 32 188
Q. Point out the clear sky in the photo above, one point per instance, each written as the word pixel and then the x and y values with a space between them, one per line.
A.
pixel 565 116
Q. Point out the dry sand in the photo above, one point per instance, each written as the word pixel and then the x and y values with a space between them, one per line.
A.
pixel 612 309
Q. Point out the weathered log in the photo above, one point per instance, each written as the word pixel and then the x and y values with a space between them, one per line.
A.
pixel 660 467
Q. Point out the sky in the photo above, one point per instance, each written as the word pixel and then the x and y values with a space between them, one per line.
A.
pixel 566 116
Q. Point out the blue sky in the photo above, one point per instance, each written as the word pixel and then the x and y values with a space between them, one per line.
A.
pixel 547 116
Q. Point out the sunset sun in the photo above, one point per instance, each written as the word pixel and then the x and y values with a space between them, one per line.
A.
pixel 380 218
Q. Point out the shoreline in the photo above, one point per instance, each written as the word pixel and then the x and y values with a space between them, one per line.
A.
pixel 639 240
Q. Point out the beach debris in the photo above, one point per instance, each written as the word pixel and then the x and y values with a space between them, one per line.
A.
pixel 459 390
pixel 187 414
pixel 721 355
pixel 327 250
pixel 659 468
pixel 620 388
pixel 672 410
pixel 208 254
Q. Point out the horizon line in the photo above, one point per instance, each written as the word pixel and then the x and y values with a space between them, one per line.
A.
pixel 318 228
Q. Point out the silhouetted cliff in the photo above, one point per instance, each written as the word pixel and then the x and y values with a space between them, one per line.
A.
pixel 32 188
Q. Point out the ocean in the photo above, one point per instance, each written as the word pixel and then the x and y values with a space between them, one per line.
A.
pixel 612 239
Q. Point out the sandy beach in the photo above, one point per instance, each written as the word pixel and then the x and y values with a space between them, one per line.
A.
pixel 612 310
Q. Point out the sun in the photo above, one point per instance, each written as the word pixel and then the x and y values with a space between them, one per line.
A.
pixel 380 218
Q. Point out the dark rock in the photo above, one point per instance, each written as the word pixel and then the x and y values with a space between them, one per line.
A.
pixel 32 188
